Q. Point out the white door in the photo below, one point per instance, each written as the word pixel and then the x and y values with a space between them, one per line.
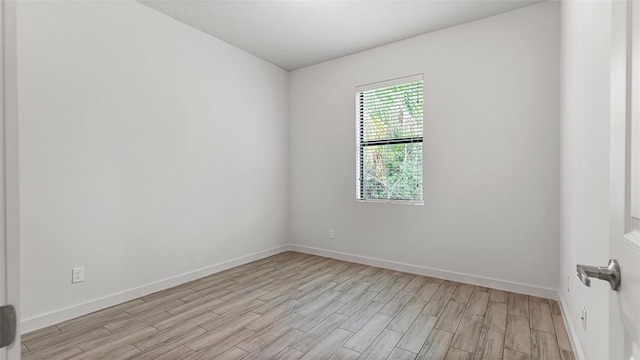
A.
pixel 9 222
pixel 624 317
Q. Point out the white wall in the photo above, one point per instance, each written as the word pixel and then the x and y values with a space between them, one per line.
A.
pixel 585 114
pixel 148 150
pixel 491 148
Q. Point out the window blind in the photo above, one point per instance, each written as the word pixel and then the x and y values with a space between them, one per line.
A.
pixel 390 133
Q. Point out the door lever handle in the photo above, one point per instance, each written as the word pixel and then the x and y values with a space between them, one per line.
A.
pixel 610 273
pixel 7 325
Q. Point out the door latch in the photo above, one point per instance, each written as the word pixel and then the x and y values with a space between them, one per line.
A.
pixel 610 273
pixel 7 325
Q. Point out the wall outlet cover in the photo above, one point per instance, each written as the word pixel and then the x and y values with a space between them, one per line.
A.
pixel 77 275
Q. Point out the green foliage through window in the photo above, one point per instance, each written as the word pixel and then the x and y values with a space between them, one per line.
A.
pixel 390 123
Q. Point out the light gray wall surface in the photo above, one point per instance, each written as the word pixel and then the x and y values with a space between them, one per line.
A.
pixel 148 149
pixel 491 150
pixel 585 114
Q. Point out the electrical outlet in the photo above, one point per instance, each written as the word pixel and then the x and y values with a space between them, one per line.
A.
pixel 583 317
pixel 77 275
pixel 331 234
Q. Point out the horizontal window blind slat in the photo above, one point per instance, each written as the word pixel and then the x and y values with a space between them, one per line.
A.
pixel 407 91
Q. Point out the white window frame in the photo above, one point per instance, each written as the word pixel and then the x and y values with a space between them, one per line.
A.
pixel 371 86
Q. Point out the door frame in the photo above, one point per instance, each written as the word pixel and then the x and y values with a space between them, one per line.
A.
pixel 623 241
pixel 10 238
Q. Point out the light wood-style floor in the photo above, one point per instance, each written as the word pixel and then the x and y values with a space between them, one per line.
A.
pixel 298 306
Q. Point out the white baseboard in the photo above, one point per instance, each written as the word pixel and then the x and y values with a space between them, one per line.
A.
pixel 55 317
pixel 421 270
pixel 578 352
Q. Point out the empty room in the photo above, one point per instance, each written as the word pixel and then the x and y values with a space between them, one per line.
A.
pixel 319 179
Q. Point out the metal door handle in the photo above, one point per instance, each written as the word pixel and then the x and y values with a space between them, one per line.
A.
pixel 7 325
pixel 610 273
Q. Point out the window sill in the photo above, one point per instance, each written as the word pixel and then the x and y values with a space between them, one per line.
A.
pixel 395 202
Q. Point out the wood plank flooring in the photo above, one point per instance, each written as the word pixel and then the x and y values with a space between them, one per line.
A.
pixel 299 306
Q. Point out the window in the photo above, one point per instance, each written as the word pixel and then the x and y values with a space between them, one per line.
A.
pixel 389 136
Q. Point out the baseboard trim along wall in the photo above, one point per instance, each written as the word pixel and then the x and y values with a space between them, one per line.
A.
pixel 578 352
pixel 437 273
pixel 55 317
pixel 74 311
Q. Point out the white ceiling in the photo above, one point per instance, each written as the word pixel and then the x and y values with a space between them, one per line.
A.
pixel 295 34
